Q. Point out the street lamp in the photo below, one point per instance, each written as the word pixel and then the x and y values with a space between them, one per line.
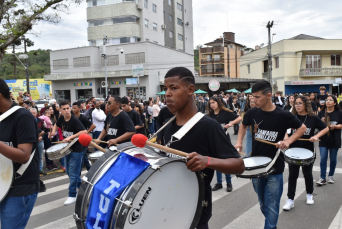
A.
pixel 24 57
pixel 273 36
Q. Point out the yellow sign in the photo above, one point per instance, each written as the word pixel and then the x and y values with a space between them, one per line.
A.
pixel 39 88
pixel 339 99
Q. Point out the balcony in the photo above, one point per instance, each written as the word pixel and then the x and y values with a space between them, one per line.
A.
pixel 206 50
pixel 265 75
pixel 309 72
pixel 219 71
pixel 212 49
pixel 215 60
pixel 218 49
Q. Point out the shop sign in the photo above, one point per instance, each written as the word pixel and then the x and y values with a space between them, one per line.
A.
pixel 39 88
pixel 81 84
pixel 117 82
pixel 302 82
pixel 214 85
pixel 137 70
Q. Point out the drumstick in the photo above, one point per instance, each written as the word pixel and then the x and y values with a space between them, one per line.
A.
pixel 101 141
pixel 86 140
pixel 267 142
pixel 58 142
pixel 302 139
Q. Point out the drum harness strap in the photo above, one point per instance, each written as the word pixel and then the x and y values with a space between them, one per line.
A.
pixel 23 167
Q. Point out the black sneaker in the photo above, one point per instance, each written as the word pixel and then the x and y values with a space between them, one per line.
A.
pixel 51 167
pixel 229 187
pixel 43 173
pixel 321 182
pixel 217 187
pixel 42 187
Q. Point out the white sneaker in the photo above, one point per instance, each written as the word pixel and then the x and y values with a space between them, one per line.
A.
pixel 69 201
pixel 331 180
pixel 289 204
pixel 309 199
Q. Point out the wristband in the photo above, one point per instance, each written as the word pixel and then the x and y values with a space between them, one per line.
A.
pixel 208 162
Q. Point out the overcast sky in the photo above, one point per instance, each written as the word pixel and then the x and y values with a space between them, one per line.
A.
pixel 246 18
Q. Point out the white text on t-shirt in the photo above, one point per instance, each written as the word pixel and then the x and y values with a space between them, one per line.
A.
pixel 112 131
pixel 67 134
pixel 266 135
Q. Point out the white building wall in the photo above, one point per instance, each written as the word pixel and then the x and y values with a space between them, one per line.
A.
pixel 178 29
pixel 188 27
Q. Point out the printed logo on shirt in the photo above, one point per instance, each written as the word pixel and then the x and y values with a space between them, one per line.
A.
pixel 266 135
pixel 67 134
pixel 307 132
pixel 8 143
pixel 112 131
pixel 333 123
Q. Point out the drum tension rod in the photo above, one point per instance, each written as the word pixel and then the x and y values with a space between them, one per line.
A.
pixel 85 179
pixel 75 216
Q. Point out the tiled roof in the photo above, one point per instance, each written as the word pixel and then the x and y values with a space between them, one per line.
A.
pixel 304 37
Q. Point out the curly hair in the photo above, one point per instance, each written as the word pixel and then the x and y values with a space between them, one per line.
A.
pixel 307 105
pixel 220 104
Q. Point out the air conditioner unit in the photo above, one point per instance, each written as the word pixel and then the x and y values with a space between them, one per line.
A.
pixel 163 26
pixel 187 24
pixel 139 7
pixel 103 83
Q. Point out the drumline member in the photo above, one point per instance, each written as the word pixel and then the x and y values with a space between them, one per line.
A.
pixel 133 114
pixel 330 143
pixel 279 101
pixel 18 140
pixel 119 127
pixel 290 103
pixel 208 146
pixel 302 109
pixel 71 128
pixel 321 97
pixel 227 119
pixel 270 123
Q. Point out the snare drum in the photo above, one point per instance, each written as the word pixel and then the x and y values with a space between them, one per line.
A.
pixel 299 156
pixel 176 200
pixel 60 150
pixel 6 176
pixel 93 157
pixel 256 167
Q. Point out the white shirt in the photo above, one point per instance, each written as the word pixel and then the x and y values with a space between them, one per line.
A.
pixel 98 119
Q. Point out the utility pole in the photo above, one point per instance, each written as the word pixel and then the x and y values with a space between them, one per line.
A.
pixel 27 73
pixel 105 60
pixel 14 63
pixel 269 26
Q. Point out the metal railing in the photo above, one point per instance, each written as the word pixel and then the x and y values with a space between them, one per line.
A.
pixel 320 72
pixel 215 60
pixel 205 50
pixel 218 49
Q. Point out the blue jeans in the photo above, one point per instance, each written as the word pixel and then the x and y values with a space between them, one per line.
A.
pixel 85 160
pixel 15 211
pixel 249 140
pixel 96 134
pixel 269 190
pixel 73 163
pixel 41 154
pixel 324 160
pixel 151 126
pixel 219 178
pixel 154 124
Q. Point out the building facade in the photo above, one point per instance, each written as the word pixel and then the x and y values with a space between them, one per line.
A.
pixel 300 64
pixel 221 57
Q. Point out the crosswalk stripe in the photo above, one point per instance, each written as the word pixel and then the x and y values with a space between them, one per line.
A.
pixel 337 222
pixel 236 182
pixel 67 222
pixel 53 190
pixel 48 206
pixel 318 169
pixel 253 218
pixel 61 178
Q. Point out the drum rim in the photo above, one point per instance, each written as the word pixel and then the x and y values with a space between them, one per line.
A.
pixel 298 159
pixel 12 178
pixel 265 174
pixel 259 166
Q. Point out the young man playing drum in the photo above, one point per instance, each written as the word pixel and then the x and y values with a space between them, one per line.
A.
pixel 18 140
pixel 270 123
pixel 71 128
pixel 208 146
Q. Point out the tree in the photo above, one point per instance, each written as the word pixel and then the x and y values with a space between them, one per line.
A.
pixel 14 59
pixel 196 56
pixel 17 17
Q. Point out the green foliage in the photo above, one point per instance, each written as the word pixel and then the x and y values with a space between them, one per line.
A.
pixel 38 65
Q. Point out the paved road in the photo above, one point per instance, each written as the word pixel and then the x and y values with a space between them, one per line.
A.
pixel 238 209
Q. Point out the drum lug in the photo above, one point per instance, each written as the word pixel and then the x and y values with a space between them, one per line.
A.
pixel 127 202
pixel 156 167
pixel 85 179
pixel 77 218
pixel 204 203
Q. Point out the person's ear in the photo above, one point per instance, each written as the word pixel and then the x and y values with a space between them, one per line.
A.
pixel 191 89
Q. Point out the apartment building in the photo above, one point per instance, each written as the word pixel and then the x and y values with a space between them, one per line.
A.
pixel 299 64
pixel 221 57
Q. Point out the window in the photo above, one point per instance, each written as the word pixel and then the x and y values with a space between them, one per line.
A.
pixel 135 58
pixel 179 22
pixel 248 69
pixel 179 6
pixel 146 4
pixel 217 57
pixel 180 37
pixel 60 64
pixel 154 26
pixel 170 34
pixel 209 57
pixel 111 21
pixel 111 60
pixel 81 62
pixel 146 23
pixel 231 46
pixel 276 61
pixel 335 60
pixel 313 61
pixel 170 18
pixel 92 3
pixel 154 8
pixel 170 2
pixel 203 55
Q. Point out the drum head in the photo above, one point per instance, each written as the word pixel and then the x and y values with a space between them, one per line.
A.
pixel 6 175
pixel 254 162
pixel 298 153
pixel 96 154
pixel 57 147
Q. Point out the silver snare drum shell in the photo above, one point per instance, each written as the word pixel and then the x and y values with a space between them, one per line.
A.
pixel 60 150
pixel 6 176
pixel 299 156
pixel 93 157
pixel 255 167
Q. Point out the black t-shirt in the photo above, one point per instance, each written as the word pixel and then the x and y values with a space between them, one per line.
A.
pixel 133 114
pixel 321 99
pixel 118 125
pixel 224 117
pixel 69 128
pixel 313 105
pixel 340 104
pixel 334 138
pixel 20 128
pixel 235 107
pixel 164 115
pixel 311 122
pixel 272 127
pixel 288 107
pixel 277 103
pixel 85 121
pixel 142 130
pixel 208 139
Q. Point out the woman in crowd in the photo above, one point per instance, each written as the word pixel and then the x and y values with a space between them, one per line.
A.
pixel 150 115
pixel 138 108
pixel 226 118
pixel 249 138
pixel 330 143
pixel 303 110
pixel 290 102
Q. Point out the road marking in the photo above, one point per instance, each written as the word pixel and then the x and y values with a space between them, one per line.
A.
pixel 48 206
pixel 318 169
pixel 53 190
pixel 236 182
pixel 253 218
pixel 337 222
pixel 67 222
pixel 61 178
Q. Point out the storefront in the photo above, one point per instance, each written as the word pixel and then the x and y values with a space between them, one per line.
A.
pixel 309 86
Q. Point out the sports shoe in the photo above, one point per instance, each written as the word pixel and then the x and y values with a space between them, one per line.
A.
pixel 42 187
pixel 217 187
pixel 51 167
pixel 62 168
pixel 309 199
pixel 321 182
pixel 69 201
pixel 289 204
pixel 331 180
pixel 229 187
pixel 42 172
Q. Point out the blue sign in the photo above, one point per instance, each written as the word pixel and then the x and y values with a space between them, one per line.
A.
pixel 131 81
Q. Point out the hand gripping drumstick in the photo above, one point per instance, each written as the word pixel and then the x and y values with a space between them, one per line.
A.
pixel 86 140
pixel 267 142
pixel 140 140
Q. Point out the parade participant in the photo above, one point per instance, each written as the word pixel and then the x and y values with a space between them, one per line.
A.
pixel 290 103
pixel 133 114
pixel 249 133
pixel 302 109
pixel 330 143
pixel 119 127
pixel 208 147
pixel 235 107
pixel 227 119
pixel 71 128
pixel 279 101
pixel 99 118
pixel 313 105
pixel 138 108
pixel 270 123
pixel 321 97
pixel 18 140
